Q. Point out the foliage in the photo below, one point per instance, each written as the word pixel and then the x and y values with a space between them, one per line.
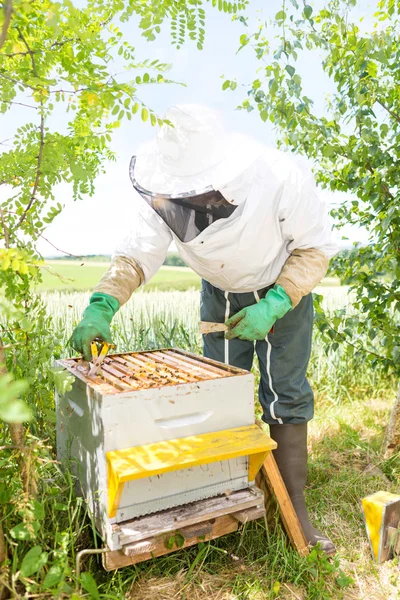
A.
pixel 354 148
pixel 12 409
pixel 174 260
pixel 58 78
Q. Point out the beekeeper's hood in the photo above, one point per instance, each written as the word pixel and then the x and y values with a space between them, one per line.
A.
pixel 194 155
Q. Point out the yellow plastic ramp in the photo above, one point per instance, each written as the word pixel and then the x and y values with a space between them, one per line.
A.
pixel 381 513
pixel 183 453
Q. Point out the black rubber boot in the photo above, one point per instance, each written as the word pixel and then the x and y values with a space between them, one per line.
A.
pixel 291 458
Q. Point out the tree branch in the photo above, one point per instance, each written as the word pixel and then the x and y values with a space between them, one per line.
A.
pixel 383 185
pixel 6 232
pixel 30 52
pixel 8 9
pixel 59 249
pixel 38 174
pixel 358 348
pixel 18 82
pixel 391 113
pixel 20 104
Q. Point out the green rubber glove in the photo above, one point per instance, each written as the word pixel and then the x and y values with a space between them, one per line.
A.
pixel 95 323
pixel 255 322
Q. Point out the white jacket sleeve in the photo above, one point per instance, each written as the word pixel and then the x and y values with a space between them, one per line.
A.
pixel 306 227
pixel 148 241
pixel 304 215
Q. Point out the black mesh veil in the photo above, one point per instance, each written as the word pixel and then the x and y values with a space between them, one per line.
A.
pixel 186 214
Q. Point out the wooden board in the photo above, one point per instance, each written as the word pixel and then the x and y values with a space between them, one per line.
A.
pixel 270 474
pixel 207 327
pixel 187 515
pixel 162 544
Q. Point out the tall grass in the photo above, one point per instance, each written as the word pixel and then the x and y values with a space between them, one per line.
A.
pixel 171 319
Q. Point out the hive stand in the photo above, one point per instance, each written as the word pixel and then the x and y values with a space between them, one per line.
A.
pixel 165 492
pixel 170 530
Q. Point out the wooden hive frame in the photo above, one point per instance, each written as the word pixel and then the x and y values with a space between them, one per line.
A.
pixel 129 372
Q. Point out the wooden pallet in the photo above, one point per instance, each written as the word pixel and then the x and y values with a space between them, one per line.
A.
pixel 159 534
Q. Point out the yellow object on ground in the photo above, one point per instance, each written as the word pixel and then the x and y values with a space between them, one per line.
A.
pixel 381 511
pixel 183 453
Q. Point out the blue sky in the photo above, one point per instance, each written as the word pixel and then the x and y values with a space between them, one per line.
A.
pixel 96 224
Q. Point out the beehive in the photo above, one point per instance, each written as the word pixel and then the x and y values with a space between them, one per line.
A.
pixel 156 430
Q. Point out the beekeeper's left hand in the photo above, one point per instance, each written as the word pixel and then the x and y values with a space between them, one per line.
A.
pixel 256 321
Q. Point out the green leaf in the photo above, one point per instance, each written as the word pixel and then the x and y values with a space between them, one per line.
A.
pixel 53 577
pixel 273 86
pixel 169 543
pixel 328 151
pixel 115 109
pixel 145 114
pixel 23 532
pixel 372 69
pixel 226 84
pixel 38 510
pixel 291 70
pixel 179 540
pixel 33 560
pixel 90 585
pixel 307 11
pixel 62 380
pixel 15 411
pixel 280 16
pixel 244 40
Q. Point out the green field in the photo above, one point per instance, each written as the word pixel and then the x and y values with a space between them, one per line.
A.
pixel 74 276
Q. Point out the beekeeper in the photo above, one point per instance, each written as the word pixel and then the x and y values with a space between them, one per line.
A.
pixel 250 222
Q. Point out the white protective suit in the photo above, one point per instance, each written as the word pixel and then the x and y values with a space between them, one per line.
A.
pixel 279 211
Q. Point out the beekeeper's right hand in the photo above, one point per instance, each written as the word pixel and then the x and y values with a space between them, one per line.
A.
pixel 95 324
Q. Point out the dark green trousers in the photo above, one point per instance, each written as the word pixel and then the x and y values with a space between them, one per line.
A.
pixel 284 392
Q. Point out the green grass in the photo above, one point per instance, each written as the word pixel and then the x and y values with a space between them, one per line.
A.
pixel 71 276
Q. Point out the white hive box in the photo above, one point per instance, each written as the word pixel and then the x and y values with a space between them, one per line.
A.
pixel 138 408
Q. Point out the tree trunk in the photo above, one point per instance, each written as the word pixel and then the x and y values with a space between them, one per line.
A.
pixel 392 442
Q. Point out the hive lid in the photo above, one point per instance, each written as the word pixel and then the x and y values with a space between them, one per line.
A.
pixel 135 371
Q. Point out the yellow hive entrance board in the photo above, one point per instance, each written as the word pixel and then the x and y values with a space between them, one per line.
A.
pixel 183 453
